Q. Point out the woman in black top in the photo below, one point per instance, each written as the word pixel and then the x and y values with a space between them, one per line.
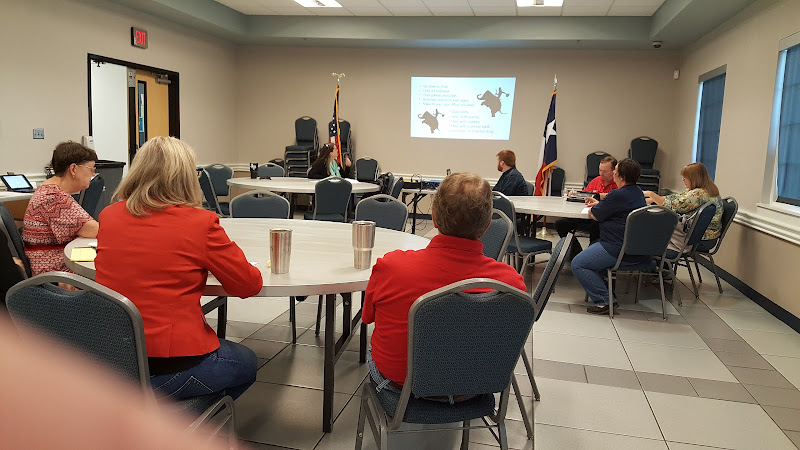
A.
pixel 590 265
pixel 326 164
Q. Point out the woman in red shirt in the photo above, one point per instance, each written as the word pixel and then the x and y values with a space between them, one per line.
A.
pixel 156 247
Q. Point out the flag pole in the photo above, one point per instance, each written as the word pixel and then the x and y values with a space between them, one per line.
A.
pixel 544 233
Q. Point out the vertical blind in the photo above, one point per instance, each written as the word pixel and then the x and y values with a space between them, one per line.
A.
pixel 789 131
pixel 709 121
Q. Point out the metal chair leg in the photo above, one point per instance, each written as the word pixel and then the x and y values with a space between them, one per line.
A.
pixel 697 268
pixel 292 320
pixel 610 295
pixel 691 277
pixel 638 283
pixel 714 267
pixel 527 362
pixel 465 436
pixel 521 402
pixel 663 296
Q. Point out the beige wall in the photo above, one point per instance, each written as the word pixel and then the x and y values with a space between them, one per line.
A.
pixel 43 80
pixel 748 44
pixel 604 100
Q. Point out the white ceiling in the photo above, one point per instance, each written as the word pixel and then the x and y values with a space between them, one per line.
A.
pixel 446 8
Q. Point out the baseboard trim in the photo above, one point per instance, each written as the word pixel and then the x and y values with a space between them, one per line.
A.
pixel 776 310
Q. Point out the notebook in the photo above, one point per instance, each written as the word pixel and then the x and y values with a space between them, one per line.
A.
pixel 17 183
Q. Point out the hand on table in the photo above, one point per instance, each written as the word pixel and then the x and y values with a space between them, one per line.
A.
pixel 591 201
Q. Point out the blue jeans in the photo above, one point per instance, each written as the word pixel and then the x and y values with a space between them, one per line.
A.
pixel 231 368
pixel 589 267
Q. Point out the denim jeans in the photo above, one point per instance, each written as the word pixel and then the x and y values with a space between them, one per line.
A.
pixel 231 368
pixel 590 267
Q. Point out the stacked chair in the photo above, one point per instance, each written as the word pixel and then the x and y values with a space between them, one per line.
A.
pixel 298 157
pixel 643 150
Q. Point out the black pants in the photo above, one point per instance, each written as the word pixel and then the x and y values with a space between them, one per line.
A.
pixel 566 225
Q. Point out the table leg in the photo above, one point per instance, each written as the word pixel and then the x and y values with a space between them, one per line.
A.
pixel 330 350
pixel 222 318
pixel 290 197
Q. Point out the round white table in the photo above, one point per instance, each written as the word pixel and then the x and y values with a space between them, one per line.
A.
pixel 11 196
pixel 321 263
pixel 549 206
pixel 295 185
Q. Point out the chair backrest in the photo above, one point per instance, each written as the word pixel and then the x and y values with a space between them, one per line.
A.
pixel 397 187
pixel 95 320
pixel 386 183
pixel 643 150
pixel 220 174
pixel 270 170
pixel 496 238
pixel 593 164
pixel 366 169
pixel 14 239
pixel 529 188
pixel 259 204
pixel 729 209
pixel 501 202
pixel 208 191
pixel 466 343
pixel 547 283
pixel 10 273
pixel 331 196
pixel 305 131
pixel 90 197
pixel 700 222
pixel 385 210
pixel 557 181
pixel 647 232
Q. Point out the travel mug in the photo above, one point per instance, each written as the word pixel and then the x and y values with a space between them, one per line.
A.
pixel 280 249
pixel 254 170
pixel 363 242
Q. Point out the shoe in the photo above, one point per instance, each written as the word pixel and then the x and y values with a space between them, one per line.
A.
pixel 600 309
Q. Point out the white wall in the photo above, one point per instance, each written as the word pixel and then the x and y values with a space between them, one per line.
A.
pixel 43 80
pixel 748 44
pixel 110 111
pixel 605 99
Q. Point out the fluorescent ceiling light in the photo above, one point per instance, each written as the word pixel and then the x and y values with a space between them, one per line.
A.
pixel 523 3
pixel 319 3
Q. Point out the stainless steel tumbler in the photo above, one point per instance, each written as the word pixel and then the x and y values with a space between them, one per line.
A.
pixel 280 249
pixel 363 242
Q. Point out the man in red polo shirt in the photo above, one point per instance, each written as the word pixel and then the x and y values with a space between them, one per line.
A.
pixel 461 210
pixel 601 185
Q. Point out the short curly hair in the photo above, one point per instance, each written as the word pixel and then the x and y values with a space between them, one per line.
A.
pixel 462 206
pixel 68 153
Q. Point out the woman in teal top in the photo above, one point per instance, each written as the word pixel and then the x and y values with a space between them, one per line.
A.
pixel 327 165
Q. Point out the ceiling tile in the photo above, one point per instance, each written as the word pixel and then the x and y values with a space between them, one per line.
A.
pixel 584 10
pixel 247 7
pixel 596 3
pixel 632 10
pixel 655 3
pixel 330 11
pixel 539 11
pixel 369 11
pixel 450 11
pixel 494 10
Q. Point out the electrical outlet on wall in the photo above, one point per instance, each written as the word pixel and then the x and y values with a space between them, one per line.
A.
pixel 38 133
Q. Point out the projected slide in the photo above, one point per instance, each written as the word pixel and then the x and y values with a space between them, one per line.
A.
pixel 461 108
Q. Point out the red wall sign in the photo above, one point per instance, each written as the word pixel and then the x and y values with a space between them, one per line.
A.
pixel 138 37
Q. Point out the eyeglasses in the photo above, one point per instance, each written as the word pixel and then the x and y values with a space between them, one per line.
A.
pixel 92 168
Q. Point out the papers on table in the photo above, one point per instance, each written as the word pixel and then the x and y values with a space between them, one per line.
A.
pixel 83 254
pixel 585 210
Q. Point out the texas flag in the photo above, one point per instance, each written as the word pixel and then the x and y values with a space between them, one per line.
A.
pixel 547 154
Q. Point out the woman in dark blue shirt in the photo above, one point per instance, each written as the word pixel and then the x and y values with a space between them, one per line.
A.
pixel 590 265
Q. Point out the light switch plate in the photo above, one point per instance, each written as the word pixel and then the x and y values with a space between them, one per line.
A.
pixel 38 133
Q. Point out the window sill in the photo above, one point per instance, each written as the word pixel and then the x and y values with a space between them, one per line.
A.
pixel 776 219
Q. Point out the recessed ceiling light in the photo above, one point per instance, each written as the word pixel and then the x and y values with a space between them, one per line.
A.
pixel 523 3
pixel 319 3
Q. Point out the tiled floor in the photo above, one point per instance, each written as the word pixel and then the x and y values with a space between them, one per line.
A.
pixel 720 373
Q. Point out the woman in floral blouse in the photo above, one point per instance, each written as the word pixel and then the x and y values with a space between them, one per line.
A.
pixel 700 189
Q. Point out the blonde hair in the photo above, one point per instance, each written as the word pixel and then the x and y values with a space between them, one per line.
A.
pixel 698 177
pixel 162 174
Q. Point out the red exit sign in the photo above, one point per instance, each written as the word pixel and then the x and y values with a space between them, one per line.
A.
pixel 138 37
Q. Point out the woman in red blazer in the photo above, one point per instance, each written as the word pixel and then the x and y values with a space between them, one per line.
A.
pixel 156 247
